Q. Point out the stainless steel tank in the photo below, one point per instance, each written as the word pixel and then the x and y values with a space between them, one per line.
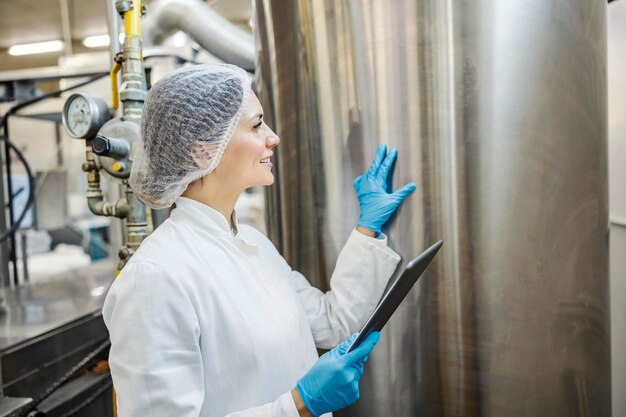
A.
pixel 498 109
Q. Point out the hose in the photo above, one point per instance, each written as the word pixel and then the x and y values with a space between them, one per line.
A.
pixel 31 191
pixel 4 123
pixel 26 103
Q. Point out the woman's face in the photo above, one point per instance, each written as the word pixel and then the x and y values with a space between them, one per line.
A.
pixel 246 161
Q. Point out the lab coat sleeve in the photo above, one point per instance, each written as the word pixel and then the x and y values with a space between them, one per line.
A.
pixel 155 357
pixel 282 407
pixel 361 273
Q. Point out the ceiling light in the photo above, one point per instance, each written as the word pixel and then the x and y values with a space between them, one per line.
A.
pixel 97 41
pixel 36 48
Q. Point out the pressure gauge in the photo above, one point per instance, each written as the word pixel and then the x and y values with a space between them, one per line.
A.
pixel 83 115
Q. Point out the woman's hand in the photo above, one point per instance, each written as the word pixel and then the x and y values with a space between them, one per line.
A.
pixel 376 199
pixel 333 381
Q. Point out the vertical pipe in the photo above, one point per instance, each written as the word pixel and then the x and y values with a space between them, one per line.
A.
pixel 132 95
pixel 136 221
pixel 132 20
pixel 5 280
pixel 113 19
pixel 11 241
pixel 133 91
pixel 24 247
pixel 114 28
pixel 65 25
pixel 58 142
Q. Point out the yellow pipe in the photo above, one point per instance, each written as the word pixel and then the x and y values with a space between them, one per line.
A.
pixel 114 403
pixel 114 85
pixel 132 20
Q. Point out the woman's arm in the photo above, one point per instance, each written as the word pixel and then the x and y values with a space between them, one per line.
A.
pixel 364 265
pixel 361 274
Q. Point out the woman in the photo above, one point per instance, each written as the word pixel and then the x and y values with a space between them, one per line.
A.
pixel 207 319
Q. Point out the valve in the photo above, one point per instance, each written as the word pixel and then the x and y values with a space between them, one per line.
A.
pixel 113 148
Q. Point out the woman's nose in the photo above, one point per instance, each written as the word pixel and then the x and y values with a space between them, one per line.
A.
pixel 272 139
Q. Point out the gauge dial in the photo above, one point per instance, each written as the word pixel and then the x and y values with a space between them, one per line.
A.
pixel 83 115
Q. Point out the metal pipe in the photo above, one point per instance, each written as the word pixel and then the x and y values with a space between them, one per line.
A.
pixel 115 48
pixel 24 248
pixel 132 20
pixel 95 197
pixel 133 89
pixel 159 216
pixel 618 222
pixel 132 95
pixel 204 25
pixel 65 26
pixel 115 86
pixel 136 221
pixel 114 28
pixel 111 147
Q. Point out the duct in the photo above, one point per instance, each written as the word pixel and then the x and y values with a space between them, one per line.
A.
pixel 498 110
pixel 204 25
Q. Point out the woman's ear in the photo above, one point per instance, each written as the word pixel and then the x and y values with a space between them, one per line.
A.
pixel 200 154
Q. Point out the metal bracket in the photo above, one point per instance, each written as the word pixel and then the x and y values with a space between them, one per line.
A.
pixel 119 58
pixel 123 6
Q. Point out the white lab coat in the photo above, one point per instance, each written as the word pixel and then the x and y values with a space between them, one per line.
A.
pixel 206 322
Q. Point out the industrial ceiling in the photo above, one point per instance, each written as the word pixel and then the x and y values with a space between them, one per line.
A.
pixel 26 21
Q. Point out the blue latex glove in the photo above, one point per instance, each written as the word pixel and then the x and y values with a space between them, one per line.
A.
pixel 376 199
pixel 333 381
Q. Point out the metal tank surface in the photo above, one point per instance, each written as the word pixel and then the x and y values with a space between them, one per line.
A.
pixel 498 109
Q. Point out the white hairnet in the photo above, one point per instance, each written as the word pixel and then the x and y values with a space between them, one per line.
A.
pixel 188 118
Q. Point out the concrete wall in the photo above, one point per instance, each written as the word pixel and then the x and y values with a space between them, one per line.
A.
pixel 617 195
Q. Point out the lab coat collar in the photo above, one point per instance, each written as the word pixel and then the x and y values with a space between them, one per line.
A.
pixel 206 217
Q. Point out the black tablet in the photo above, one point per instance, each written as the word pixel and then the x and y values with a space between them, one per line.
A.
pixel 394 296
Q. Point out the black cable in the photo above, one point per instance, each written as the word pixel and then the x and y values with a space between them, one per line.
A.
pixel 65 378
pixel 12 247
pixel 4 123
pixel 26 103
pixel 18 192
pixel 31 192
